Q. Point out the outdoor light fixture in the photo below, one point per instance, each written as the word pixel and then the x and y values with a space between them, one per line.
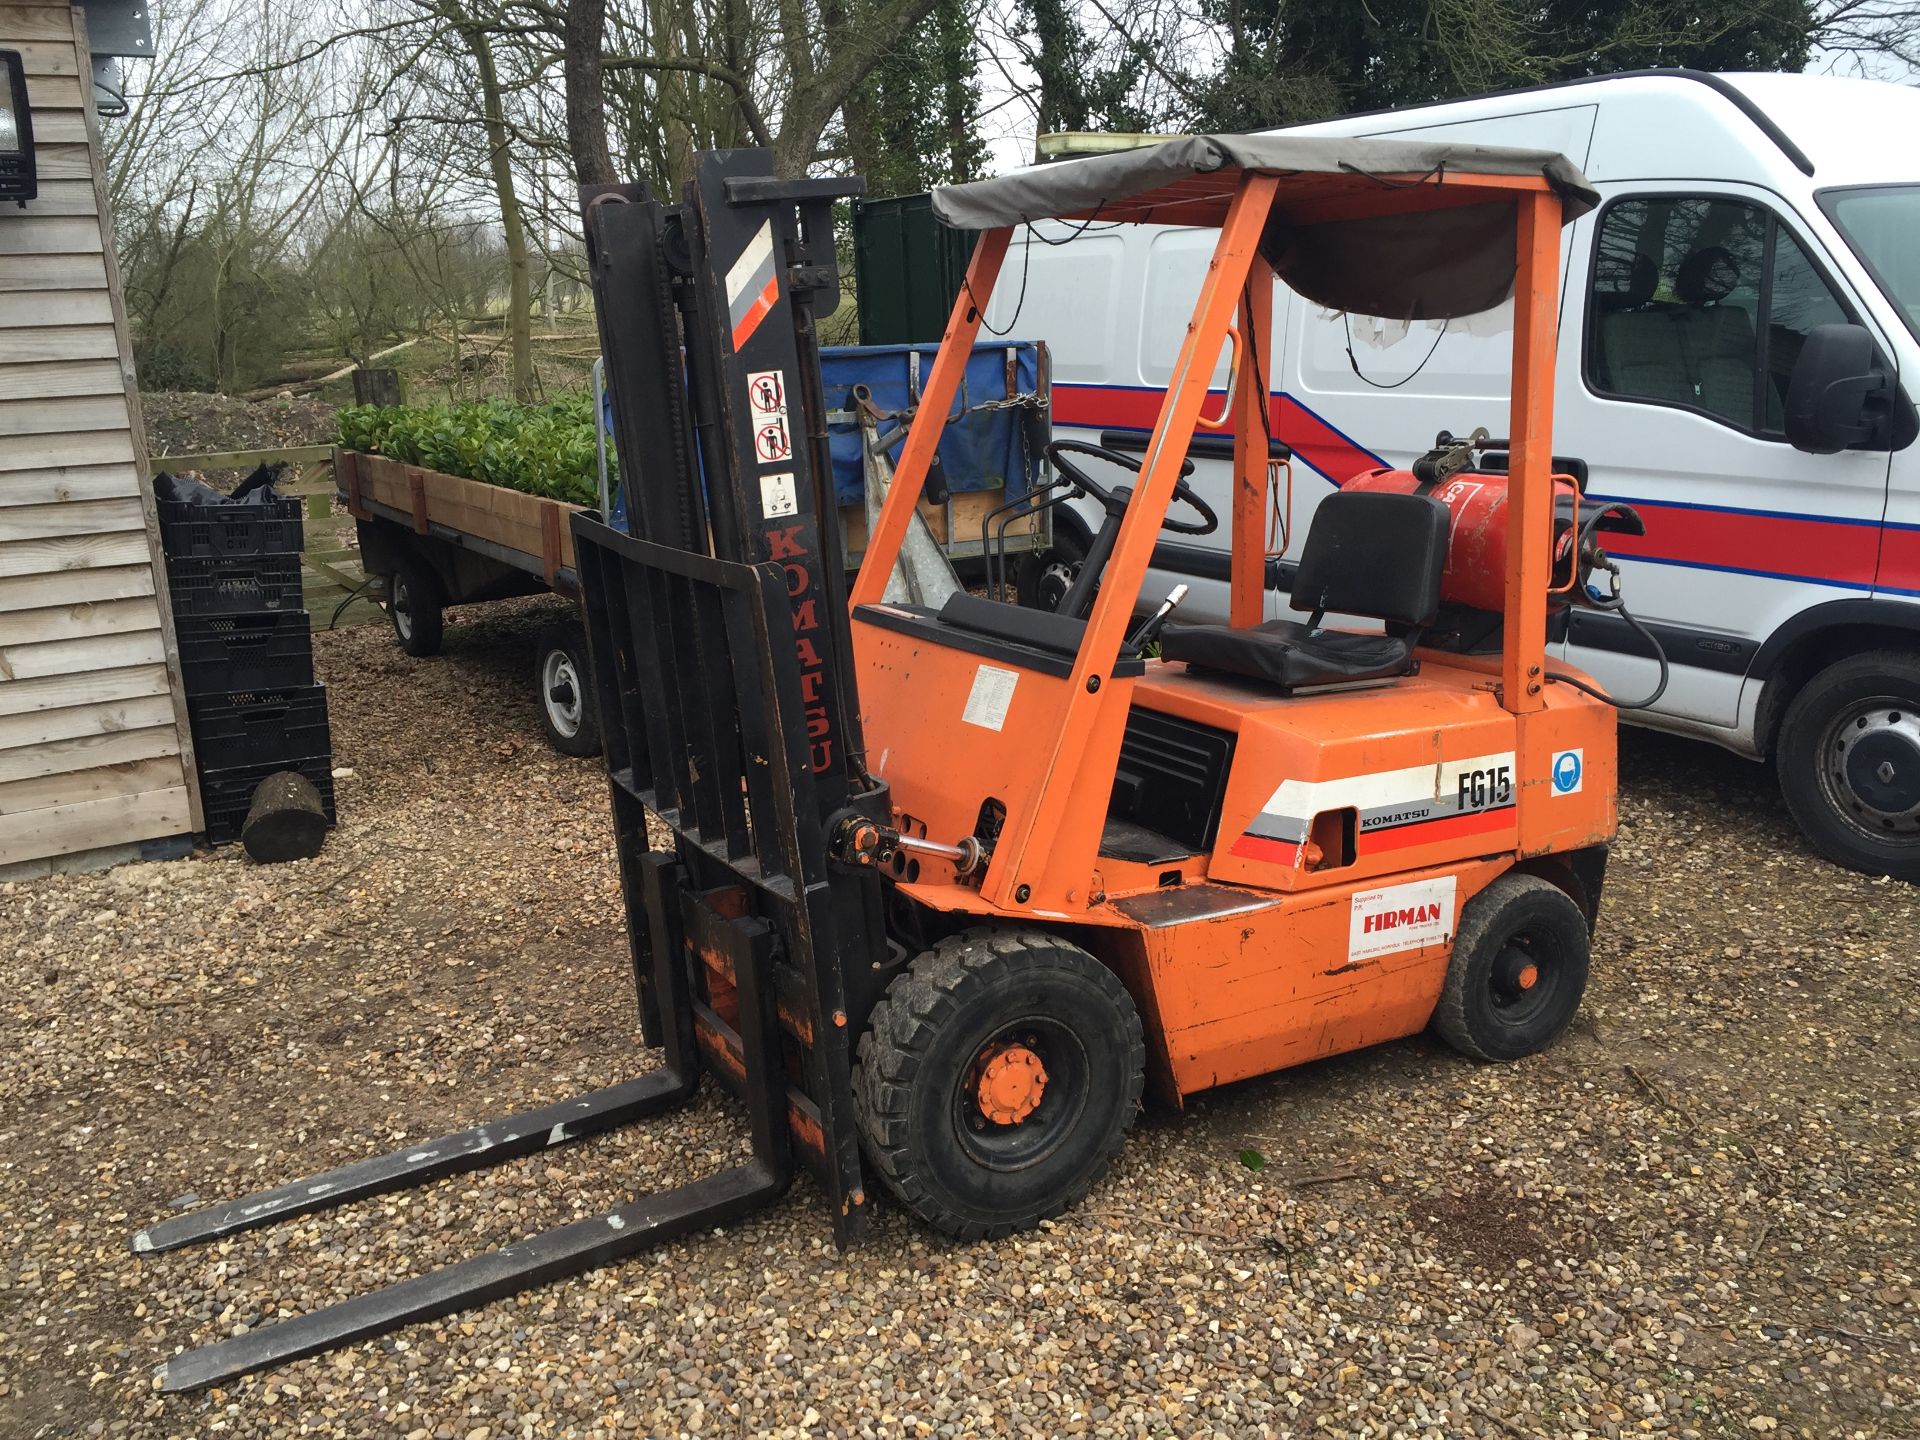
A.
pixel 18 178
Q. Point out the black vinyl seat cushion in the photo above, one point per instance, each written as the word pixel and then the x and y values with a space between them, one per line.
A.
pixel 1370 552
pixel 1287 653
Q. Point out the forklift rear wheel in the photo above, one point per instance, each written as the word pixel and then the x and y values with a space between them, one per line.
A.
pixel 566 704
pixel 1519 967
pixel 1849 760
pixel 415 601
pixel 999 1077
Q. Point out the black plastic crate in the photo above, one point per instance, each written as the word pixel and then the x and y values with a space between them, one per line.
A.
pixel 229 585
pixel 215 532
pixel 226 792
pixel 258 650
pixel 260 727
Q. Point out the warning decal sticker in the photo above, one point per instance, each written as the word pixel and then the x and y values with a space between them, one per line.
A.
pixel 778 496
pixel 992 694
pixel 1400 917
pixel 767 404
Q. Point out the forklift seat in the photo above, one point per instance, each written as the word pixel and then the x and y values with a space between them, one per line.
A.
pixel 1369 553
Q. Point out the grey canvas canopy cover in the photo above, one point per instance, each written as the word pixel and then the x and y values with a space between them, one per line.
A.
pixel 1431 265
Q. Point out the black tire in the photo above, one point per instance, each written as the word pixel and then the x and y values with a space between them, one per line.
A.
pixel 416 604
pixel 564 687
pixel 1518 969
pixel 1849 760
pixel 1044 578
pixel 973 1000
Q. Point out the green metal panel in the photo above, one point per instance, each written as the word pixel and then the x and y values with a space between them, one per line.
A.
pixel 907 268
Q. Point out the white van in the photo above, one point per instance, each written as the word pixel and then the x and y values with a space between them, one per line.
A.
pixel 1738 212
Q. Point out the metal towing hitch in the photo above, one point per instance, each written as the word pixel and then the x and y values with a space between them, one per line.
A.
pixel 722 720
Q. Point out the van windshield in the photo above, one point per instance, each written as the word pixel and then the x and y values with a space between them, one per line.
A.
pixel 1880 222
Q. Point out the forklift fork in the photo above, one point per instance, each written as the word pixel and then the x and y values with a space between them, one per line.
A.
pixel 653 1220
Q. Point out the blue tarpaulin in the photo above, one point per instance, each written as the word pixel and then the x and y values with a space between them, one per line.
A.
pixel 984 450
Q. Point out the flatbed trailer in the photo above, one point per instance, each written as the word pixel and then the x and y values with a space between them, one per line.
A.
pixel 443 540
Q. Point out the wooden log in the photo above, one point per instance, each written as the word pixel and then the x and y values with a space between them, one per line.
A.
pixel 286 821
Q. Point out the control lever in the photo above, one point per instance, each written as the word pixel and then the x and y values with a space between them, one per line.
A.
pixel 1150 627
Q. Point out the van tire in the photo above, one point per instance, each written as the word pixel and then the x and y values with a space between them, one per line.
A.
pixel 1849 761
pixel 1046 576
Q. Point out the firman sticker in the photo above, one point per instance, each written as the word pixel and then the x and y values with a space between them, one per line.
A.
pixel 779 495
pixel 1400 917
pixel 992 694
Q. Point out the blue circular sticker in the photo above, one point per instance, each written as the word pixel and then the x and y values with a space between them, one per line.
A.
pixel 1566 772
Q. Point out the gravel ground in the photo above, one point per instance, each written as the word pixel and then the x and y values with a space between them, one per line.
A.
pixel 1697 1215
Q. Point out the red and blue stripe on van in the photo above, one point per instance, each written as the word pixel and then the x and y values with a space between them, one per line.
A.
pixel 1779 545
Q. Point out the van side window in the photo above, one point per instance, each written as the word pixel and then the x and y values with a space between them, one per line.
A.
pixel 1701 303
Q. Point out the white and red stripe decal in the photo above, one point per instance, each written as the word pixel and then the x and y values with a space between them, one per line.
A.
pixel 752 286
pixel 1396 808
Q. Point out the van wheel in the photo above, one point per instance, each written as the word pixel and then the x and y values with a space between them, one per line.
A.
pixel 998 1078
pixel 1849 761
pixel 416 604
pixel 1045 577
pixel 567 716
pixel 1518 970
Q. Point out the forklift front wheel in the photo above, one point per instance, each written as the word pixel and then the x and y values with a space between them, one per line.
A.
pixel 999 1077
pixel 1518 969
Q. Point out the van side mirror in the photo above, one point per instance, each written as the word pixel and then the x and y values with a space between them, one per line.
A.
pixel 1840 397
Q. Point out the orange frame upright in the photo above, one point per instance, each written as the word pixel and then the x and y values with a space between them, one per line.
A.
pixel 1031 870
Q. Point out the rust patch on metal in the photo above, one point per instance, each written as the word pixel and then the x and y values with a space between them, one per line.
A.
pixel 718 1048
pixel 806 1130
pixel 799 1024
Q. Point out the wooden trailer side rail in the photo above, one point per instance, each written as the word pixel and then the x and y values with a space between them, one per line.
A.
pixel 534 532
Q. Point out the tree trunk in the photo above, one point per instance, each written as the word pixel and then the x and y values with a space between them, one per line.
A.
pixel 512 228
pixel 585 37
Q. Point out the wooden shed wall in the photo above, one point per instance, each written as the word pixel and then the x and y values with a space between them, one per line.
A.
pixel 94 745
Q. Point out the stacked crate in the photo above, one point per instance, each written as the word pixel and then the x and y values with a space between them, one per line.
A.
pixel 246 653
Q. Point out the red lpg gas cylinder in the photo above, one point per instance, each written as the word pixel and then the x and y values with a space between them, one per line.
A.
pixel 1476 570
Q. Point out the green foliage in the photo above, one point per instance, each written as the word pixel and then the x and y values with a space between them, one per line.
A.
pixel 1295 60
pixel 914 122
pixel 540 449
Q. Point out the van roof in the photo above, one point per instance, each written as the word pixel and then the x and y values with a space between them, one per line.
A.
pixel 1835 129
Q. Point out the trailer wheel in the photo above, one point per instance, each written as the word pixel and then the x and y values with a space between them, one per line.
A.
pixel 1849 761
pixel 1518 969
pixel 560 674
pixel 415 603
pixel 997 1080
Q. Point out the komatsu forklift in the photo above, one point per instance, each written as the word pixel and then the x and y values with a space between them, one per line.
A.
pixel 944 891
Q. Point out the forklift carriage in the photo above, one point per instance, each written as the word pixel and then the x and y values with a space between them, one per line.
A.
pixel 941 893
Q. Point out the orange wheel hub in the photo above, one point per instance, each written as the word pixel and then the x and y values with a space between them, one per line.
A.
pixel 1528 977
pixel 1012 1080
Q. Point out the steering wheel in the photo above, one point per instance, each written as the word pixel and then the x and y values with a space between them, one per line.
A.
pixel 1115 500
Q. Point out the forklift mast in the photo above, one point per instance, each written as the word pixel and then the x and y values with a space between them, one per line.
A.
pixel 722 667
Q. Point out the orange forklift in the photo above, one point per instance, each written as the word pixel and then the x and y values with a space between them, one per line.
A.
pixel 946 890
